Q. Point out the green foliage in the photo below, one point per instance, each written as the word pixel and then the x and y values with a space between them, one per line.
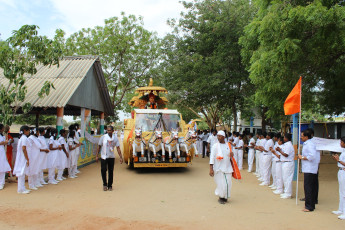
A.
pixel 19 56
pixel 127 52
pixel 202 66
pixel 30 119
pixel 289 39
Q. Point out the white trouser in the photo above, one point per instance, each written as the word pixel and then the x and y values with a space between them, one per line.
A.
pixel 235 151
pixel 257 161
pixel 41 176
pixel 288 169
pixel 59 174
pixel 2 178
pixel 250 159
pixel 32 180
pixel 223 182
pixel 240 159
pixel 279 179
pixel 21 183
pixel 266 168
pixel 273 172
pixel 51 174
pixel 72 170
pixel 341 180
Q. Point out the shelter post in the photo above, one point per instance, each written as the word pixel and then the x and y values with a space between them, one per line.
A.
pixel 59 113
pixel 251 124
pixel 85 121
pixel 102 124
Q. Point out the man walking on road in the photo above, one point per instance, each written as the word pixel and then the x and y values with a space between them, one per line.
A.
pixel 220 168
pixel 106 146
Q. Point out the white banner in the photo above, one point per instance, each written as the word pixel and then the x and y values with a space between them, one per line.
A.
pixel 332 145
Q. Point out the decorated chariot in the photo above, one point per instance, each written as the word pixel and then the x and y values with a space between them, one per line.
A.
pixel 156 136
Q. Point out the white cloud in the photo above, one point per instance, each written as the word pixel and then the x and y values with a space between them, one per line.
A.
pixel 77 14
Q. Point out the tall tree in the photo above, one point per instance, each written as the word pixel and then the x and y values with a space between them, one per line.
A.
pixel 288 39
pixel 126 49
pixel 19 56
pixel 202 65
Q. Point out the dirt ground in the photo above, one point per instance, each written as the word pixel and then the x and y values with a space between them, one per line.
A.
pixel 166 199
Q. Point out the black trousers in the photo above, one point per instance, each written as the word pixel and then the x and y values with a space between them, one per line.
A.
pixel 310 190
pixel 204 148
pixel 107 165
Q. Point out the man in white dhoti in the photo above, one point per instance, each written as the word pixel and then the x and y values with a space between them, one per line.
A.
pixel 220 168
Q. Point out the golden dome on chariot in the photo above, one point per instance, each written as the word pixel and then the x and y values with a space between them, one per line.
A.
pixel 148 97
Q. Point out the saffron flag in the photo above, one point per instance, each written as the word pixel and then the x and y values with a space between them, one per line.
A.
pixel 292 103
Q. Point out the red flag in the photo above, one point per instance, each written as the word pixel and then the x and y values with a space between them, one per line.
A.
pixel 292 103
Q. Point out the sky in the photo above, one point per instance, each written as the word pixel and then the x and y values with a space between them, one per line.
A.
pixel 73 15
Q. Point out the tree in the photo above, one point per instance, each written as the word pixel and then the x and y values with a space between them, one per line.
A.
pixel 127 52
pixel 30 119
pixel 289 39
pixel 202 64
pixel 19 56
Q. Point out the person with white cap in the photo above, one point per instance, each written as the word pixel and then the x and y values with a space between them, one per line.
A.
pixel 220 168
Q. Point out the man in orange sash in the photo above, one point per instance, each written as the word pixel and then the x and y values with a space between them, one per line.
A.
pixel 220 168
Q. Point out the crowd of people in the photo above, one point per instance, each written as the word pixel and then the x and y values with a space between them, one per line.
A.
pixel 274 156
pixel 39 150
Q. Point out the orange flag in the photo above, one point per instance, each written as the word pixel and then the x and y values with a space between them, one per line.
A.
pixel 292 103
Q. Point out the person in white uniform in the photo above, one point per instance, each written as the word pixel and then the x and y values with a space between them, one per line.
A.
pixel 287 158
pixel 72 161
pixel 34 151
pixel 4 165
pixel 278 166
pixel 251 146
pixel 211 140
pixel 341 180
pixel 260 147
pixel 234 144
pixel 63 155
pixel 267 160
pixel 220 168
pixel 22 160
pixel 239 148
pixel 275 159
pixel 53 156
pixel 43 155
pixel 257 156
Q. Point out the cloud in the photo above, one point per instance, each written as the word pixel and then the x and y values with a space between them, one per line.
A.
pixel 77 14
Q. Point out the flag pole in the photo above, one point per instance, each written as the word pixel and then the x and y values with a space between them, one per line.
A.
pixel 298 140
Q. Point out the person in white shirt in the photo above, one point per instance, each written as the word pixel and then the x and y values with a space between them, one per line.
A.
pixel 234 144
pixel 106 146
pixel 251 146
pixel 64 155
pixel 4 165
pixel 287 158
pixel 22 160
pixel 267 159
pixel 199 141
pixel 260 147
pixel 278 166
pixel 53 159
pixel 212 139
pixel 220 168
pixel 341 180
pixel 239 148
pixel 257 156
pixel 43 155
pixel 204 143
pixel 310 164
pixel 72 148
pixel 275 161
pixel 34 151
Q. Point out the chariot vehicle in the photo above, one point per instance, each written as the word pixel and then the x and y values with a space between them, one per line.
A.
pixel 156 136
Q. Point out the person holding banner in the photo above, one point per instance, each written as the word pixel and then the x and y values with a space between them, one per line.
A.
pixel 341 179
pixel 310 164
pixel 106 146
pixel 220 168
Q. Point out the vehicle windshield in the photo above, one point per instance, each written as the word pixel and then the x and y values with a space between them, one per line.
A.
pixel 149 121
